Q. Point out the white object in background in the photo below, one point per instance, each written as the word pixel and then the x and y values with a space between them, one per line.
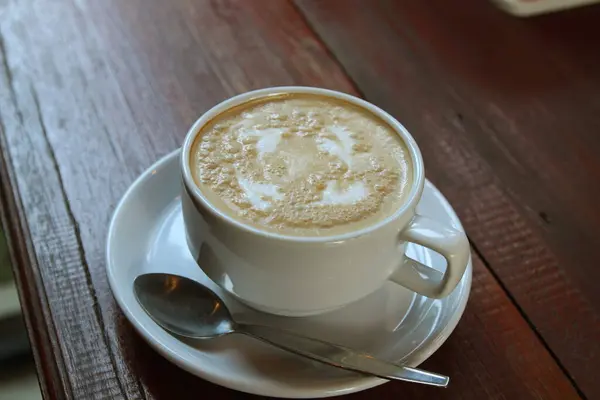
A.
pixel 524 8
pixel 147 235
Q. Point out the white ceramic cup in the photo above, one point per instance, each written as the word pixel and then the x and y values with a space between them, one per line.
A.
pixel 298 276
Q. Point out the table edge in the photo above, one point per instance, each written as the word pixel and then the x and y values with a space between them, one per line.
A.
pixel 50 366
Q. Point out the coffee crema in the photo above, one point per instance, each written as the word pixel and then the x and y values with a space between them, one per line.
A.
pixel 302 165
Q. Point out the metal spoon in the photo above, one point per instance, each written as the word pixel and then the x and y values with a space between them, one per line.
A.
pixel 187 308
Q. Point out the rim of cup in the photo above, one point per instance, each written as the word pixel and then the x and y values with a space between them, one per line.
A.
pixel 194 190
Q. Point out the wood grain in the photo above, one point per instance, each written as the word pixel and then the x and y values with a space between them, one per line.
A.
pixel 35 308
pixel 505 111
pixel 91 93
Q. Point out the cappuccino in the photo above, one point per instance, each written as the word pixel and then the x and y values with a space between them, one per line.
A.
pixel 302 165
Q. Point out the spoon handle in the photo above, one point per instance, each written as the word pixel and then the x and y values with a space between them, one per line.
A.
pixel 340 356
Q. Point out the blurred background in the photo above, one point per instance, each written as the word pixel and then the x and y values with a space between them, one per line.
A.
pixel 18 380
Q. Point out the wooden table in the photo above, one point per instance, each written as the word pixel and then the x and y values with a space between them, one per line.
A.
pixel 506 111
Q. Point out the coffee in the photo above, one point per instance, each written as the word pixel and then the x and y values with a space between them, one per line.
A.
pixel 302 165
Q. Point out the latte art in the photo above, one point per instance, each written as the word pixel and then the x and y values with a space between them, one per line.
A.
pixel 302 165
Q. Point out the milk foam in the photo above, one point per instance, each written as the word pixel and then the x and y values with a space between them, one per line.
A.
pixel 302 165
pixel 258 193
pixel 342 147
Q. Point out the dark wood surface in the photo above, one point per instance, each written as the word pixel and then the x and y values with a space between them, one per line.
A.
pixel 505 110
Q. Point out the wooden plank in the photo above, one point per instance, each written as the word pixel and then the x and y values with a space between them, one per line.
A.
pixel 35 308
pixel 92 93
pixel 506 114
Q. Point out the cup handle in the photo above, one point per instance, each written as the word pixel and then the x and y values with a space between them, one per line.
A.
pixel 449 242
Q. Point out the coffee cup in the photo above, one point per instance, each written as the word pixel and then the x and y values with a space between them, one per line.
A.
pixel 295 272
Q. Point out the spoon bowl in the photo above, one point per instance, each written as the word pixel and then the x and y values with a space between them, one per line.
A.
pixel 183 306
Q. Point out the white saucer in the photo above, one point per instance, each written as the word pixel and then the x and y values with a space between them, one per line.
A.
pixel 146 234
